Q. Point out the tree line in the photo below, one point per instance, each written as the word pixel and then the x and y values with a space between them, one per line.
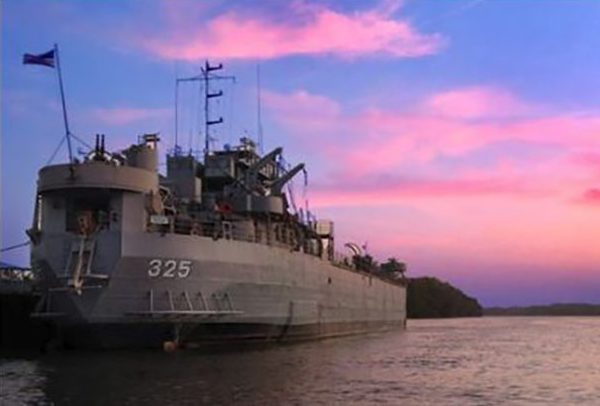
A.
pixel 427 297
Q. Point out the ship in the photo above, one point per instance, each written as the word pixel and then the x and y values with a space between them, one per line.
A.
pixel 211 251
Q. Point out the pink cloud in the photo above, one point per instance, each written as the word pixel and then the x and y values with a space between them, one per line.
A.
pixel 396 137
pixel 591 196
pixel 472 179
pixel 302 103
pixel 388 156
pixel 477 102
pixel 373 192
pixel 480 231
pixel 376 139
pixel 589 160
pixel 313 30
pixel 127 115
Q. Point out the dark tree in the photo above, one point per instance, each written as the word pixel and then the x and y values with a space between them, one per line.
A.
pixel 393 266
pixel 432 298
pixel 365 263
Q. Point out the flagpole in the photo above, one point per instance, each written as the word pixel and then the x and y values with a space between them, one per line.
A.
pixel 64 107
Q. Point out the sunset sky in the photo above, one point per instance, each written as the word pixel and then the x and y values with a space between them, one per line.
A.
pixel 462 137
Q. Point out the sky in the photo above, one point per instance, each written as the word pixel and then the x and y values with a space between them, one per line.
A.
pixel 461 137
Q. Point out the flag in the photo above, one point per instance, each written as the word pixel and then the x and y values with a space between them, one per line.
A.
pixel 46 59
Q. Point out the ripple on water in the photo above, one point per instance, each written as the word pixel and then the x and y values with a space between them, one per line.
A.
pixel 457 361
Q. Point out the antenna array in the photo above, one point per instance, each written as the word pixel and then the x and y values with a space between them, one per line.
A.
pixel 206 76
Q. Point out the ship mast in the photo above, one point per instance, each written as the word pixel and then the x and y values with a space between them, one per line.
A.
pixel 259 128
pixel 207 96
pixel 205 76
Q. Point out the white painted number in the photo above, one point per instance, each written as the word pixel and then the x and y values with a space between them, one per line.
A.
pixel 185 267
pixel 169 268
pixel 154 269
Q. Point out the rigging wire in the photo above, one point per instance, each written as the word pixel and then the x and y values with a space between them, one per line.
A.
pixel 259 127
pixel 199 116
pixel 60 144
pixel 81 141
pixel 229 138
pixel 219 110
pixel 13 247
pixel 191 128
pixel 176 111
pixel 56 150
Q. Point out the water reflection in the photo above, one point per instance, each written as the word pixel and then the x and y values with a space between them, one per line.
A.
pixel 21 381
pixel 482 361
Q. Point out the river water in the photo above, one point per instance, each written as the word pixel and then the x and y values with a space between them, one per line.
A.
pixel 520 360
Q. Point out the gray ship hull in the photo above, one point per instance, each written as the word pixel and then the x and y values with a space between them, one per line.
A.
pixel 215 249
pixel 146 289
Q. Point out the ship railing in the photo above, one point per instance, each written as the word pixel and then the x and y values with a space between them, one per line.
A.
pixel 229 230
pixel 342 260
pixel 16 274
pixel 218 230
pixel 16 280
pixel 182 226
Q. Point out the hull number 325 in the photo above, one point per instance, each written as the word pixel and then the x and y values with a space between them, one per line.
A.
pixel 169 268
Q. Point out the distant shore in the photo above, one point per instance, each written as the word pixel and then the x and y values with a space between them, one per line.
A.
pixel 555 309
pixel 431 298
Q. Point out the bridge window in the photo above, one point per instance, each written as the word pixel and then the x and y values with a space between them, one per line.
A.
pixel 88 211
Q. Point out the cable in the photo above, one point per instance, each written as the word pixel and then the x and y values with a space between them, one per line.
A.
pixel 60 144
pixel 62 141
pixel 81 141
pixel 12 247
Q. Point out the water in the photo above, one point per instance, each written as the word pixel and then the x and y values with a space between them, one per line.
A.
pixel 524 360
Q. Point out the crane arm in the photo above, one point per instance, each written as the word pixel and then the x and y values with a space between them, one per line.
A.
pixel 279 183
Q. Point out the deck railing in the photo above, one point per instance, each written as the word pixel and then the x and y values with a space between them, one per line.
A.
pixel 227 230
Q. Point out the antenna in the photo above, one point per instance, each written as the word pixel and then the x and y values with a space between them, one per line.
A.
pixel 176 115
pixel 259 129
pixel 206 76
pixel 207 96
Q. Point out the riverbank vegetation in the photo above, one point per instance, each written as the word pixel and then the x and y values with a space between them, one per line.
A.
pixel 427 297
pixel 556 309
pixel 431 298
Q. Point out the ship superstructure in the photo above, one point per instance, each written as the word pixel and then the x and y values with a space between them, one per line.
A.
pixel 210 250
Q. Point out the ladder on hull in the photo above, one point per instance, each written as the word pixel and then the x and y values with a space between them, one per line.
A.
pixel 79 264
pixel 181 307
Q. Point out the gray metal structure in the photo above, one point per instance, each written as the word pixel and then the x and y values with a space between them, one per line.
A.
pixel 129 258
